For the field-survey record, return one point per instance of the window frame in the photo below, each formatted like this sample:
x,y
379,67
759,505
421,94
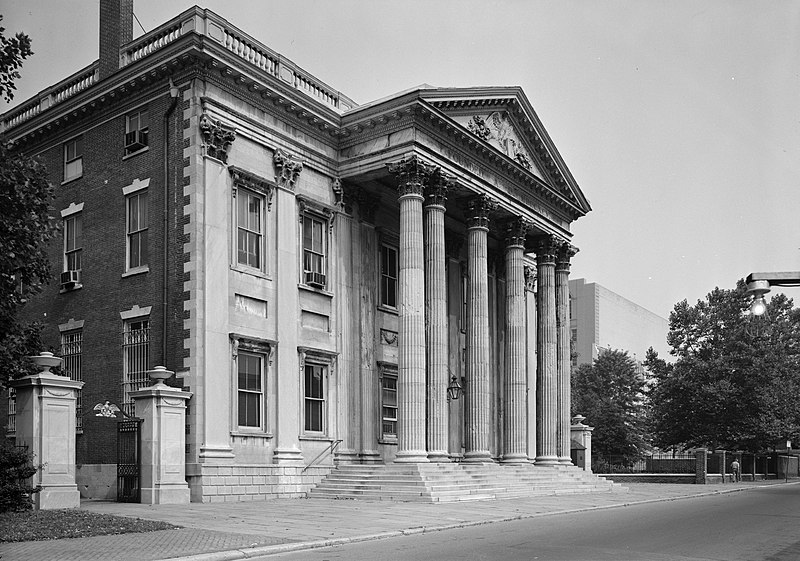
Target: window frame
x,y
135,340
308,271
144,131
76,159
386,280
139,233
387,372
71,345
75,252
259,393
325,362
238,194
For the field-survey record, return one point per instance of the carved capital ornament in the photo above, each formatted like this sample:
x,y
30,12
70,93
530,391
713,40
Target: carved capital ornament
x,y
287,168
478,209
412,174
217,137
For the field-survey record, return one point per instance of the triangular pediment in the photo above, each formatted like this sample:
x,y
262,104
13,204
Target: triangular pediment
x,y
504,118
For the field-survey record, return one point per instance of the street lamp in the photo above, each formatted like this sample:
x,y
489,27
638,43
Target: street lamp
x,y
758,284
454,390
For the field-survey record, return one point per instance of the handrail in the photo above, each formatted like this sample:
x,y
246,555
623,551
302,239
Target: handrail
x,y
328,450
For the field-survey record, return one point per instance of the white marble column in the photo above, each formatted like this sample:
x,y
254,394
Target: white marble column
x,y
565,253
547,370
411,174
436,324
477,389
530,357
515,419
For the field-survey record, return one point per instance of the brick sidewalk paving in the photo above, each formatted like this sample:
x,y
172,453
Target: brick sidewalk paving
x,y
223,531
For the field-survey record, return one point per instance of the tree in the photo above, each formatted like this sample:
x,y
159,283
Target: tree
x,y
13,50
735,380
612,395
26,228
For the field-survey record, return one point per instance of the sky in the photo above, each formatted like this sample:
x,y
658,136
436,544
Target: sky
x,y
680,120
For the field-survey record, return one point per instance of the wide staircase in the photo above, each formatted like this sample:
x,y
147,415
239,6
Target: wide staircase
x,y
445,482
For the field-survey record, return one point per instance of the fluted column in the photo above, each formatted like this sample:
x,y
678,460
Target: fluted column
x,y
565,253
514,433
436,324
547,370
477,387
411,306
530,357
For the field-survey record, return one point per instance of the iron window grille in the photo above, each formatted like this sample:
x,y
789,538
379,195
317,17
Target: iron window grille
x,y
71,351
135,360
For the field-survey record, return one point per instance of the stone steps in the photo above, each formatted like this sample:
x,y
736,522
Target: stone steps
x,y
438,482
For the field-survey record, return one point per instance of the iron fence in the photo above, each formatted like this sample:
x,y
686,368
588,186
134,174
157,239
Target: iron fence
x,y
651,463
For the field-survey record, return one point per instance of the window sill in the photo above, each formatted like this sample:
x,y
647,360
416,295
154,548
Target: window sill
x,y
319,437
136,271
251,271
389,441
132,154
388,310
308,288
63,290
254,434
71,179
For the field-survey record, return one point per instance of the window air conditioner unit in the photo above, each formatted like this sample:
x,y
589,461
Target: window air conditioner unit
x,y
70,280
135,140
315,279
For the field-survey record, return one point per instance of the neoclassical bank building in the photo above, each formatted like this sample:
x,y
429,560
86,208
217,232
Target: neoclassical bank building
x,y
344,288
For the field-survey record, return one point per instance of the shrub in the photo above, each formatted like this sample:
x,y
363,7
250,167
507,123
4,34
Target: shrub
x,y
16,468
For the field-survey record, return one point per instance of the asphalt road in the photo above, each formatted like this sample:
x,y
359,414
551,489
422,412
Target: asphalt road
x,y
753,525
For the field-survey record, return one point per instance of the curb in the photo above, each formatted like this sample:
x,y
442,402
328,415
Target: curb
x,y
250,552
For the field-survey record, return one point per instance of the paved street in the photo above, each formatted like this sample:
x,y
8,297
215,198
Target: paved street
x,y
764,514
762,524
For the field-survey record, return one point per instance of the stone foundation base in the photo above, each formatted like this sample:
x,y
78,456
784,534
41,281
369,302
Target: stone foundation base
x,y
220,483
97,481
53,497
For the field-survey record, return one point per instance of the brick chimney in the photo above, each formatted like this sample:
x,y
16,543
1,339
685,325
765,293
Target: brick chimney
x,y
116,29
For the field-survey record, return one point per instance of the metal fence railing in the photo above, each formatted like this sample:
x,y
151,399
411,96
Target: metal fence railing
x,y
652,463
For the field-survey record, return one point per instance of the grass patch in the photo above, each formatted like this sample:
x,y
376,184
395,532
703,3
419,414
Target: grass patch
x,y
37,525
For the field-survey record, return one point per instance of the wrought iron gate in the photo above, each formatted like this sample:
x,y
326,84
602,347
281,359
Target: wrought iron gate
x,y
129,460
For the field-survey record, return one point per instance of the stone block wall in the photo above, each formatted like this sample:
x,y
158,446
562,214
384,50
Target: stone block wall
x,y
218,483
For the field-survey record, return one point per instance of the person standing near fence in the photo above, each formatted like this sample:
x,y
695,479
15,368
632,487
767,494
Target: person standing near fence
x,y
737,473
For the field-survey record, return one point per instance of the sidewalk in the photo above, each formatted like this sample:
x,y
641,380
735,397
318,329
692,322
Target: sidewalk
x,y
227,531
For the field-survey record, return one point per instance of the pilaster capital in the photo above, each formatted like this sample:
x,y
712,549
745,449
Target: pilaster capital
x,y
478,209
516,231
565,252
546,250
287,168
217,137
530,277
437,186
411,173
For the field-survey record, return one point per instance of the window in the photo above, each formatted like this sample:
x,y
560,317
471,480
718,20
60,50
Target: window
x,y
137,126
135,359
137,230
73,242
389,405
250,228
314,251
250,369
11,426
71,343
314,397
73,158
388,276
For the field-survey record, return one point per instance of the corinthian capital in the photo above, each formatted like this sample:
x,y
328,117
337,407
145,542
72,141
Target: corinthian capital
x,y
546,249
530,278
412,174
437,187
287,168
516,231
217,137
564,254
478,209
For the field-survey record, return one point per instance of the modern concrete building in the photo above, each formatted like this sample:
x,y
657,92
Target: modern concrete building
x,y
602,319
317,272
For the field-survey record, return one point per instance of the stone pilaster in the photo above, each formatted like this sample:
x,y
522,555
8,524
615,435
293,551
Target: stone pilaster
x,y
477,386
515,429
287,362
565,253
411,173
546,367
436,324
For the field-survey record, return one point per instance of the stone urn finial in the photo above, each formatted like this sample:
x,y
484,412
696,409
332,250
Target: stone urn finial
x,y
158,374
578,420
45,361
